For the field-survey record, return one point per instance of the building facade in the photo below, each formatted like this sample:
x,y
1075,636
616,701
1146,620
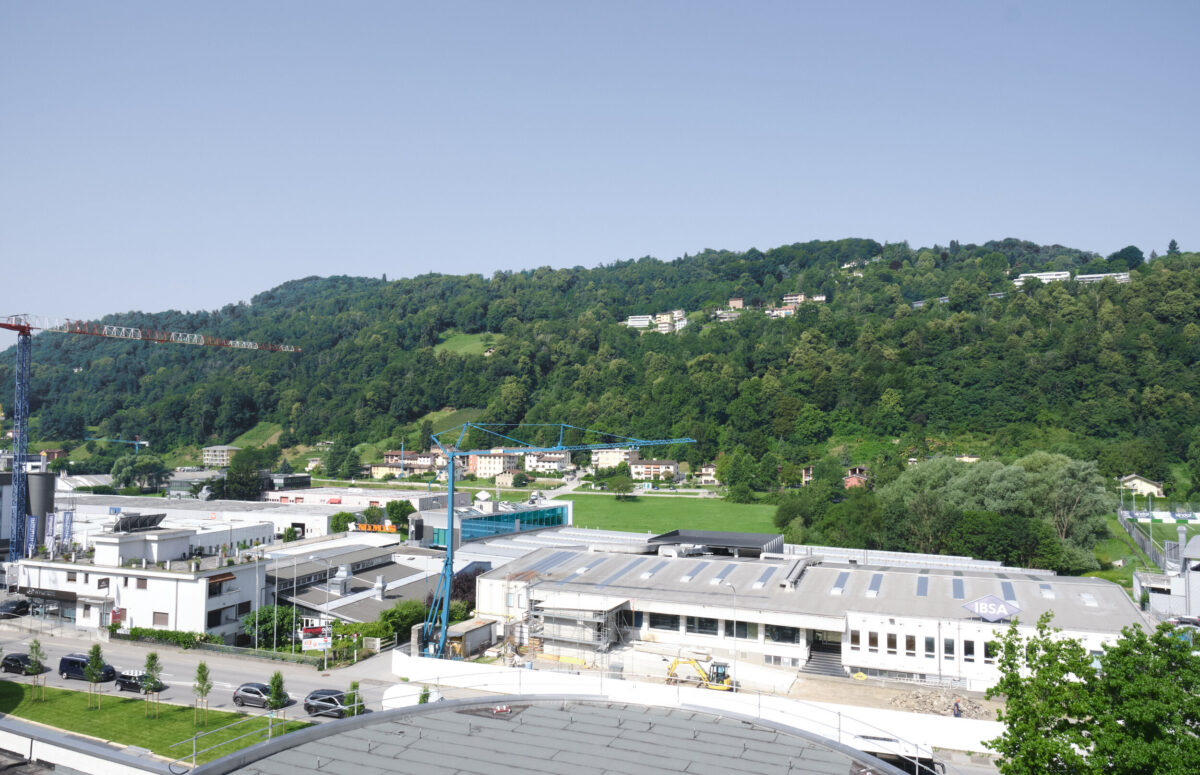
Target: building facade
x,y
650,470
218,456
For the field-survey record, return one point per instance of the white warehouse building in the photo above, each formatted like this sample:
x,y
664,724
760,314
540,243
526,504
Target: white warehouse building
x,y
799,612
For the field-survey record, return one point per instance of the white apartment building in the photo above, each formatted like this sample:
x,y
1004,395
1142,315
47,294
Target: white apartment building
x,y
639,321
142,580
611,458
646,470
547,462
492,463
219,456
792,299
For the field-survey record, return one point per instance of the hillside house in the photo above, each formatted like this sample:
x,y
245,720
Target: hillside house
x,y
1140,485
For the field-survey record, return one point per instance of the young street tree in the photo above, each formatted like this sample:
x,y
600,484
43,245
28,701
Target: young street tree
x,y
93,671
277,697
151,679
201,687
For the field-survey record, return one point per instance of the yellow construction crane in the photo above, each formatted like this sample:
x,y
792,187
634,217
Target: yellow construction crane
x,y
716,677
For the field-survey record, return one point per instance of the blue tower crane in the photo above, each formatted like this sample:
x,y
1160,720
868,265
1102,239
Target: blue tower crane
x,y
437,620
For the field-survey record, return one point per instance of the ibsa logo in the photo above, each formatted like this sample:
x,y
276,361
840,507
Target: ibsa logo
x,y
992,608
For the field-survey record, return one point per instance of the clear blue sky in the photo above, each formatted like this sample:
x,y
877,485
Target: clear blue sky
x,y
187,155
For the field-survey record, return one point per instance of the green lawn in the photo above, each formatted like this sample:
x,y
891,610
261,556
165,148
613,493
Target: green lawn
x,y
662,514
1119,546
259,436
1167,531
445,419
123,720
467,344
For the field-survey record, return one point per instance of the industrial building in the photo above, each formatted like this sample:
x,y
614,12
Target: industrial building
x,y
932,622
549,734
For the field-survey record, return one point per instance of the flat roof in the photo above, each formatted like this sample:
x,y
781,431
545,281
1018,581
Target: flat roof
x,y
717,538
552,736
825,589
138,503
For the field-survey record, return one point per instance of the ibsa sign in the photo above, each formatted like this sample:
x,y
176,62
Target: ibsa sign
x,y
992,608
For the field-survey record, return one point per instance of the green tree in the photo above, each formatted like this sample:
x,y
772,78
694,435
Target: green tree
x,y
373,515
425,435
1047,716
621,485
353,700
274,625
403,616
277,696
285,466
93,671
1172,248
37,658
340,522
1147,700
398,511
289,534
201,686
140,470
151,679
520,479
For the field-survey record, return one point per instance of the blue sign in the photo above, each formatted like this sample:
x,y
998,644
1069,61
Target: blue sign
x,y
992,608
31,536
68,520
114,509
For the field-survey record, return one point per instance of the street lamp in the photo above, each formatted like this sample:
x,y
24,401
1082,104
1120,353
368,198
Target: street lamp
x,y
325,611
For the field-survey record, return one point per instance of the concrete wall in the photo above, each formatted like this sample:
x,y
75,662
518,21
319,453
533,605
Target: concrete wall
x,y
69,753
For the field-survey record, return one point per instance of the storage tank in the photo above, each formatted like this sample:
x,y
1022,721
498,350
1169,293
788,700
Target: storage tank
x,y
41,500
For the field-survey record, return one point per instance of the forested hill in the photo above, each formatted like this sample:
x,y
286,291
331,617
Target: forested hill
x,y
1102,371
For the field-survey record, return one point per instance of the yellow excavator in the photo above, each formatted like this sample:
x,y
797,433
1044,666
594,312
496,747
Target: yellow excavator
x,y
715,677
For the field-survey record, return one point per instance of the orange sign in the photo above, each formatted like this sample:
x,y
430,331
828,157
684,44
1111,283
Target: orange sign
x,y
373,528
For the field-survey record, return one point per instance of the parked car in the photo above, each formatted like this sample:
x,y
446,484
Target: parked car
x,y
15,663
11,609
255,694
327,702
75,666
133,680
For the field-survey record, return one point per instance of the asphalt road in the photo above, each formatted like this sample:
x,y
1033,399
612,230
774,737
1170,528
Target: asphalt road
x,y
226,671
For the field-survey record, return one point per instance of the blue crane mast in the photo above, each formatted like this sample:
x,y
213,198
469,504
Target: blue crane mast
x,y
437,619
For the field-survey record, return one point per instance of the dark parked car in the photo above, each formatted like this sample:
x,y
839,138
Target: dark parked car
x,y
252,694
75,666
15,663
134,681
11,609
327,702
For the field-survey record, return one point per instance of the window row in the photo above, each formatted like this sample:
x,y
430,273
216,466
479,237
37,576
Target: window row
x,y
891,644
103,581
700,625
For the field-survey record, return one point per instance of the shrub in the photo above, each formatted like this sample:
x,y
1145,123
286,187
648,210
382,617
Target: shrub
x,y
181,638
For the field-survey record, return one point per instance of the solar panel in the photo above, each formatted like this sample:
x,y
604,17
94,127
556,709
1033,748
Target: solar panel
x,y
958,589
621,572
840,584
694,572
923,586
1006,588
1047,591
876,583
